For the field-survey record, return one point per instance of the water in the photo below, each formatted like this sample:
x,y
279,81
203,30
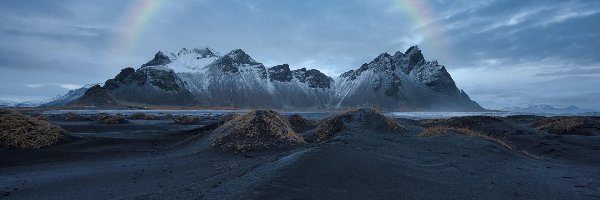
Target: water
x,y
314,115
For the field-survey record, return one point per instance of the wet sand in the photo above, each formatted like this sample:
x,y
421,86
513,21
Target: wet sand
x,y
159,159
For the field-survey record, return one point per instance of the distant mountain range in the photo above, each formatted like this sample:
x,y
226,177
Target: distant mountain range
x,y
404,81
72,95
544,108
9,103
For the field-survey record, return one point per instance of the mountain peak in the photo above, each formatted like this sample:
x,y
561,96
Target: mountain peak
x,y
206,52
201,52
414,56
382,56
413,49
281,73
160,58
239,56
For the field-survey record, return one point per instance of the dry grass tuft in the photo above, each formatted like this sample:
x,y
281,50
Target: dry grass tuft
x,y
299,123
143,116
560,125
104,118
363,118
71,116
327,128
257,130
185,119
437,130
23,132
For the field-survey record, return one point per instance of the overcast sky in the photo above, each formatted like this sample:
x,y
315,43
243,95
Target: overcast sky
x,y
501,52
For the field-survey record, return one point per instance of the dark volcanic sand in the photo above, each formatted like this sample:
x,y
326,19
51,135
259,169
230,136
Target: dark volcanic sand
x,y
163,160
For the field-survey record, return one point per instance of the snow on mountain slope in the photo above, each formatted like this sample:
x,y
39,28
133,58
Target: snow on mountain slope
x,y
26,104
201,76
186,61
72,95
404,81
551,109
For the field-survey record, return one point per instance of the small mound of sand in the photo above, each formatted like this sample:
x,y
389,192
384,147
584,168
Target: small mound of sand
x,y
364,118
299,123
568,125
104,118
434,131
143,116
23,132
184,119
257,130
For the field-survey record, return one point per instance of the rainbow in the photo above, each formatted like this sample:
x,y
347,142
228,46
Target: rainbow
x,y
134,22
140,13
421,16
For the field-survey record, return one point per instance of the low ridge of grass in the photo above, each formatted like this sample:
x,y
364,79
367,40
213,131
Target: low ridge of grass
x,y
104,118
185,119
440,130
559,126
144,116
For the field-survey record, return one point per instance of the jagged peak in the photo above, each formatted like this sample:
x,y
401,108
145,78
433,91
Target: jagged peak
x,y
237,52
183,51
313,77
160,58
203,52
239,56
382,56
413,49
398,54
281,66
414,56
280,73
206,52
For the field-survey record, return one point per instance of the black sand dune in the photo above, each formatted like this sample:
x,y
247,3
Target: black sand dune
x,y
160,159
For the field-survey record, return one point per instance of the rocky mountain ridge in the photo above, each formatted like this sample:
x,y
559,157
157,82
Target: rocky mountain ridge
x,y
404,81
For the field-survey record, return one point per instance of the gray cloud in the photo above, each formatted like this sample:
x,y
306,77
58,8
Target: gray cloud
x,y
502,52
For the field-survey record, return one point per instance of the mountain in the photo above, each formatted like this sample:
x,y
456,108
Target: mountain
x,y
201,76
72,95
403,81
544,108
11,103
7,103
96,96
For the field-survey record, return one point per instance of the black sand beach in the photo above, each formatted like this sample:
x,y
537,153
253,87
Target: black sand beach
x,y
160,159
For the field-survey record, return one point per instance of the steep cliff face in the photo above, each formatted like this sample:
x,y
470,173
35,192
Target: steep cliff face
x,y
201,76
71,96
149,85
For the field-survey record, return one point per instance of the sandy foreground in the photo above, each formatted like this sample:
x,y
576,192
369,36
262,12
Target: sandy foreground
x,y
158,159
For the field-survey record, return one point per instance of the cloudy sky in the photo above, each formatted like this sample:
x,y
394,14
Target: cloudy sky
x,y
501,52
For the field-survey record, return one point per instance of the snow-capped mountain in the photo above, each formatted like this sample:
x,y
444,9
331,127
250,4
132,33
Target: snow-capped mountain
x,y
72,95
27,104
544,108
401,81
201,76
